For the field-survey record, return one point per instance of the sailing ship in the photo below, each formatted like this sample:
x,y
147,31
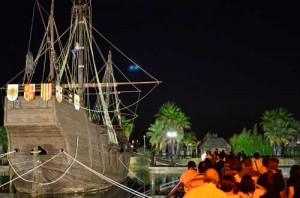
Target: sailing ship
x,y
66,128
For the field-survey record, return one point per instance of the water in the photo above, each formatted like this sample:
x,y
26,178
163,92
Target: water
x,y
152,183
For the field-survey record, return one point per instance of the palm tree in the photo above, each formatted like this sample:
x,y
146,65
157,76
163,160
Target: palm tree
x,y
182,121
276,114
277,126
175,120
168,112
293,142
169,118
155,133
190,140
172,137
128,126
279,133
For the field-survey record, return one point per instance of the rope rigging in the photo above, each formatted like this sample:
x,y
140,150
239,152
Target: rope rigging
x,y
134,192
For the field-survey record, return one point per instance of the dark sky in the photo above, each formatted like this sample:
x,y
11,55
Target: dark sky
x,y
223,63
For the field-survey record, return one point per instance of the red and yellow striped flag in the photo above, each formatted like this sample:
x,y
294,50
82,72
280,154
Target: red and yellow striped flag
x,y
46,91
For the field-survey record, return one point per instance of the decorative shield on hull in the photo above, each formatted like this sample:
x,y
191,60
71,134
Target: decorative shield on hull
x,y
29,91
46,91
12,92
76,101
58,93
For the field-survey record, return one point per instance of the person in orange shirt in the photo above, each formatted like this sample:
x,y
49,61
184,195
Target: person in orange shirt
x,y
189,174
257,163
210,187
198,179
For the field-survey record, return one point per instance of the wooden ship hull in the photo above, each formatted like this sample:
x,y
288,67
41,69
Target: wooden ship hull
x,y
49,139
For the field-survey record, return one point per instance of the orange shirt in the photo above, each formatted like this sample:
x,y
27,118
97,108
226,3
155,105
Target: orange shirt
x,y
257,162
186,176
207,190
196,181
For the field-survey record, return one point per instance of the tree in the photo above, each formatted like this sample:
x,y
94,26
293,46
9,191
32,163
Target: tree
x,y
171,114
3,138
293,142
155,133
250,142
128,126
279,133
190,140
169,120
278,128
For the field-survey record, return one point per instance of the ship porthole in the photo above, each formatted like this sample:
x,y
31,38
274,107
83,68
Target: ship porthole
x,y
40,151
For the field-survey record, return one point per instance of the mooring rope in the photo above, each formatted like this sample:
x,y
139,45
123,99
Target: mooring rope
x,y
5,154
65,172
132,173
110,180
129,170
24,162
46,183
136,193
21,176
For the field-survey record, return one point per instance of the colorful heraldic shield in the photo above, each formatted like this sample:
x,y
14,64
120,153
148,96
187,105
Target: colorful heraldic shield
x,y
12,92
46,91
58,93
76,101
29,91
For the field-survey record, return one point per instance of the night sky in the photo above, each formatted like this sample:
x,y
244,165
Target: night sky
x,y
222,63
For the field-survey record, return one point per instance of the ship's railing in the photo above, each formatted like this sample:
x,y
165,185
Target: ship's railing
x,y
177,191
168,185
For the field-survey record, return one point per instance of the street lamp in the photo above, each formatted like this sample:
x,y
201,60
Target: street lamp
x,y
172,135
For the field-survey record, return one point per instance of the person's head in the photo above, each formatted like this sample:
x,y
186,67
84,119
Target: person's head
x,y
295,172
265,161
202,167
235,165
211,176
208,162
191,164
228,183
247,184
222,155
247,162
256,155
273,164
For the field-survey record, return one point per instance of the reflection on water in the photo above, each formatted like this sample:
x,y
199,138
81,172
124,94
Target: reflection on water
x,y
157,182
140,179
113,193
162,183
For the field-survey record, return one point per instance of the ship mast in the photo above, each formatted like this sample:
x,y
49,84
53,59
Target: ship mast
x,y
109,78
52,62
81,13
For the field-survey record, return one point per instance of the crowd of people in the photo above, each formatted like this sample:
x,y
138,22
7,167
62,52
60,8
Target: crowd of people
x,y
221,175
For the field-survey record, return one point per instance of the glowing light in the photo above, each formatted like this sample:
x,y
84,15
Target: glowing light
x,y
171,134
133,68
